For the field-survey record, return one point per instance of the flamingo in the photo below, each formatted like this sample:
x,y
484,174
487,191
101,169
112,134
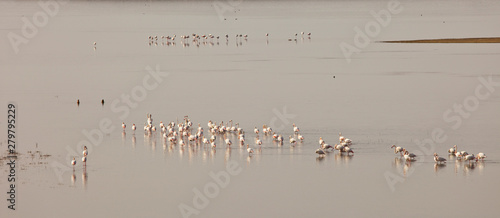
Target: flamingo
x,y
397,149
348,150
213,145
249,150
480,156
409,156
321,141
213,137
205,141
320,151
439,159
280,139
339,147
327,146
300,137
453,150
341,138
228,142
124,126
295,129
85,152
133,127
292,140
255,130
469,157
275,136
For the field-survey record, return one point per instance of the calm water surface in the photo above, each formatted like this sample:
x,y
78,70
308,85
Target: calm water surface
x,y
387,94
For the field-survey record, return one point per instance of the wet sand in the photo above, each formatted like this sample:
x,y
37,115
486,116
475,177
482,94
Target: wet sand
x,y
456,40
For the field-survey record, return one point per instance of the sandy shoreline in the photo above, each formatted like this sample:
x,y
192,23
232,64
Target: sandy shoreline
x,y
449,40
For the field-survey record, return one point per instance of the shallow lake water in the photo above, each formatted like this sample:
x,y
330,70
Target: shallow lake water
x,y
423,97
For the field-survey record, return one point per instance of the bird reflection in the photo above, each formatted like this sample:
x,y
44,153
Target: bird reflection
x,y
340,157
227,155
123,137
468,168
437,166
84,178
320,159
73,179
133,141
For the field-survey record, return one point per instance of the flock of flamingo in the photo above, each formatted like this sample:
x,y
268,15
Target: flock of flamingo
x,y
453,152
181,133
209,39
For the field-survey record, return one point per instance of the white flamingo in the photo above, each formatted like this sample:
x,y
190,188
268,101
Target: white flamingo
x,y
292,140
469,157
397,149
348,150
481,156
295,129
320,152
228,142
321,141
249,150
409,156
341,138
85,151
439,159
453,150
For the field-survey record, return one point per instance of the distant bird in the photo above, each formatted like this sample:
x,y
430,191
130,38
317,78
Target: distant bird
x,y
249,150
85,151
95,43
102,101
292,140
73,162
409,156
469,157
295,129
348,150
320,151
453,150
397,149
78,102
341,138
480,156
213,145
300,137
256,130
321,141
228,142
84,160
133,127
439,159
124,126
